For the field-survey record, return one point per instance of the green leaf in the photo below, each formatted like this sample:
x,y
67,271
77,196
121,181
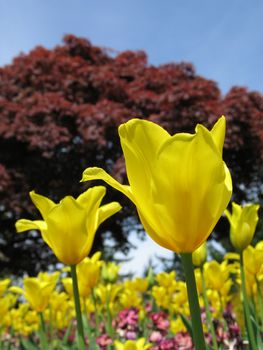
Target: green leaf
x,y
28,345
66,335
187,324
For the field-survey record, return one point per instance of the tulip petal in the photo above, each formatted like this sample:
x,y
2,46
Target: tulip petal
x,y
90,200
108,210
65,221
140,141
43,204
190,195
25,225
16,290
95,257
218,132
165,241
92,197
228,215
95,173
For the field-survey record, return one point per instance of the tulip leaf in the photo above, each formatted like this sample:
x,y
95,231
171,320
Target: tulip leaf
x,y
28,345
187,324
66,335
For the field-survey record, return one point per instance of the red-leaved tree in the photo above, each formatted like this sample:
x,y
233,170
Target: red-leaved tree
x,y
59,113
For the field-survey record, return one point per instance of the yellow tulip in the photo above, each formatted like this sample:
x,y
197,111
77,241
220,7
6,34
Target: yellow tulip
x,y
167,280
218,276
110,272
68,286
108,294
253,260
36,291
199,255
132,345
6,303
162,297
179,184
48,277
177,326
138,285
69,227
23,320
3,285
88,271
130,298
61,310
198,280
179,300
243,222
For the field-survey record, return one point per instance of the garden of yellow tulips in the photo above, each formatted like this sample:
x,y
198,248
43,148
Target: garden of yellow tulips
x,y
139,313
180,186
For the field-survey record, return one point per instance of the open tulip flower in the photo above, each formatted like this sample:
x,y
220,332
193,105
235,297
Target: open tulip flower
x,y
243,222
69,227
88,273
179,184
37,291
90,267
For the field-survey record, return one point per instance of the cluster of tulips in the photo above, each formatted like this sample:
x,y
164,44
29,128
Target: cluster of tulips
x,y
139,313
180,186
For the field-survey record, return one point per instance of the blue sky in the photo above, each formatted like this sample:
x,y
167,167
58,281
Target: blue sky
x,y
223,39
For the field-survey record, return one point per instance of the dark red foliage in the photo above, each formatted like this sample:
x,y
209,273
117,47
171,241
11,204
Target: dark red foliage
x,y
60,110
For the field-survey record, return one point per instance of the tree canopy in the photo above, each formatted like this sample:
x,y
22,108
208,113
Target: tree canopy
x,y
59,113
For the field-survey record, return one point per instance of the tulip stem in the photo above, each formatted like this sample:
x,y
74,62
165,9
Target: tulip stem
x,y
81,339
109,318
208,312
96,311
248,322
198,334
260,300
42,332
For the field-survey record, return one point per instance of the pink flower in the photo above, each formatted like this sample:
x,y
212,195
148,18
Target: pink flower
x,y
103,341
160,320
155,336
183,341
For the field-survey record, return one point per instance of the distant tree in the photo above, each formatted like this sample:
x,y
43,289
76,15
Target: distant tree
x,y
59,113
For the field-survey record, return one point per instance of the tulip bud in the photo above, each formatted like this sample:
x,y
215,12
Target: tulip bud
x,y
199,255
110,272
243,222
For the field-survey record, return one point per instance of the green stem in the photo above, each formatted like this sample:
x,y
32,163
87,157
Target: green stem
x,y
84,300
96,311
42,333
81,339
208,312
51,328
109,318
225,325
260,301
198,335
248,322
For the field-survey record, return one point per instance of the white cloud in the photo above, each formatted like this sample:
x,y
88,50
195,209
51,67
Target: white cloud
x,y
140,256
